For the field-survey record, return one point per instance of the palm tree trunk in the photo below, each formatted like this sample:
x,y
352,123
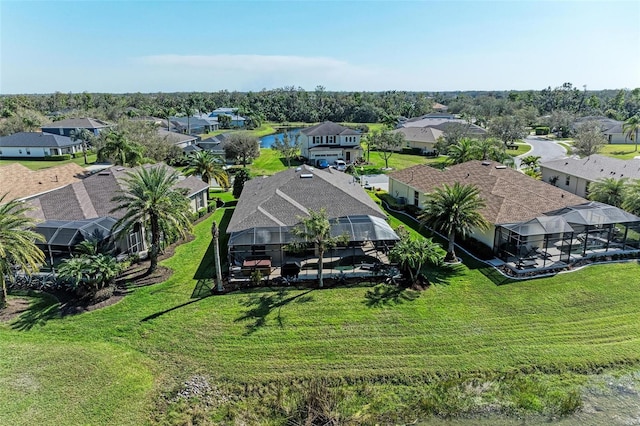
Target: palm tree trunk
x,y
215,232
636,141
451,250
155,244
320,266
3,292
84,151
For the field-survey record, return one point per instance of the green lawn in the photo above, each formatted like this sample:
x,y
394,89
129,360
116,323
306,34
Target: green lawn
x,y
109,366
42,164
621,151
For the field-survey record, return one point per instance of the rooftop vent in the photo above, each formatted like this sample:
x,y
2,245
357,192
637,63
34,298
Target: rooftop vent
x,y
104,174
486,163
298,169
306,175
501,167
119,169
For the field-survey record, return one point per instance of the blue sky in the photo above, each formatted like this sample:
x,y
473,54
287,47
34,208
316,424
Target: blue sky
x,y
164,46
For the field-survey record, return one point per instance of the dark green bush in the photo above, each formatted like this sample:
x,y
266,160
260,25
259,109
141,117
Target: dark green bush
x,y
62,157
542,130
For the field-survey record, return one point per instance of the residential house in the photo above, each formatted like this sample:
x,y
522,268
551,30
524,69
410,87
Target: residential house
x,y
575,174
215,144
532,224
438,107
65,127
330,141
612,129
195,124
420,138
68,213
22,183
236,120
37,145
270,207
188,143
443,121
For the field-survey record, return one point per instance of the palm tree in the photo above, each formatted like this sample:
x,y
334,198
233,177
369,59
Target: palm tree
x,y
89,273
208,166
488,149
631,201
83,135
121,150
151,200
411,254
316,229
17,242
463,151
608,190
631,127
454,210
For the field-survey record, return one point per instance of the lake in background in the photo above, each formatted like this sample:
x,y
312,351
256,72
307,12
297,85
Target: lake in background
x,y
267,141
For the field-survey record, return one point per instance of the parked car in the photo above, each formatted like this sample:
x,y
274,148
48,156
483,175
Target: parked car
x,y
323,164
340,165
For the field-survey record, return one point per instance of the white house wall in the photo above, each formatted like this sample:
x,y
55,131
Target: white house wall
x,y
576,185
38,152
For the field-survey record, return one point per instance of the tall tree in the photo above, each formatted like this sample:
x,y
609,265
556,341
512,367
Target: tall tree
x,y
288,146
121,150
242,146
608,190
152,201
386,142
85,137
463,151
631,202
17,242
454,210
316,229
589,139
241,177
508,129
489,149
208,166
631,127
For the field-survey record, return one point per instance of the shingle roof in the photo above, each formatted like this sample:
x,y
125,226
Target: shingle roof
x,y
77,123
280,200
595,167
21,182
420,134
329,128
510,196
442,123
608,125
36,140
91,197
175,138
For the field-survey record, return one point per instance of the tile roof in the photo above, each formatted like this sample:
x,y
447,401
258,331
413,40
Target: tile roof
x,y
21,182
91,197
420,134
510,196
77,123
36,140
280,200
329,128
596,167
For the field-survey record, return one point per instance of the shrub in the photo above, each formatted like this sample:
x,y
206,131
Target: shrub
x,y
542,130
62,157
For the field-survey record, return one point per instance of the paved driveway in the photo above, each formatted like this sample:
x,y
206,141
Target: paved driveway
x,y
547,150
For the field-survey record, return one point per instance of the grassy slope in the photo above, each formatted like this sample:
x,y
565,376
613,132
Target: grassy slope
x,y
464,323
623,152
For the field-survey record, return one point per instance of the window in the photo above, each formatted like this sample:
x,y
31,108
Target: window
x,y
20,151
416,198
567,180
28,151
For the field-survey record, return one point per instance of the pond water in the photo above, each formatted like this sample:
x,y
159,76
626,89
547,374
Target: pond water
x,y
267,141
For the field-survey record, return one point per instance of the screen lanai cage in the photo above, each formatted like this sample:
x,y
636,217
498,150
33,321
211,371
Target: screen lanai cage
x,y
61,236
569,234
271,242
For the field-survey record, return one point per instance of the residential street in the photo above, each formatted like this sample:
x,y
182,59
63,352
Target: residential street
x,y
546,149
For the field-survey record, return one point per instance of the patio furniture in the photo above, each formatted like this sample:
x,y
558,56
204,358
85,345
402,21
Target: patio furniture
x,y
526,263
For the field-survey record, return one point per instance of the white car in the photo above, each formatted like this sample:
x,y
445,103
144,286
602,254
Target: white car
x,y
340,165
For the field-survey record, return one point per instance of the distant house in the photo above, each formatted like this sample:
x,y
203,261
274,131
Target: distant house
x,y
575,174
612,129
330,141
23,183
65,127
66,214
269,207
438,107
37,145
215,144
442,121
194,124
188,143
236,120
421,138
532,224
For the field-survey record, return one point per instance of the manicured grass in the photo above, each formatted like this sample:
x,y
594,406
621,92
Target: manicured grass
x,y
43,164
160,335
397,161
621,151
269,163
523,148
264,130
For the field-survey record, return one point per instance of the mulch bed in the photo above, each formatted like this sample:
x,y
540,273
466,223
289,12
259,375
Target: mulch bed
x,y
15,307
